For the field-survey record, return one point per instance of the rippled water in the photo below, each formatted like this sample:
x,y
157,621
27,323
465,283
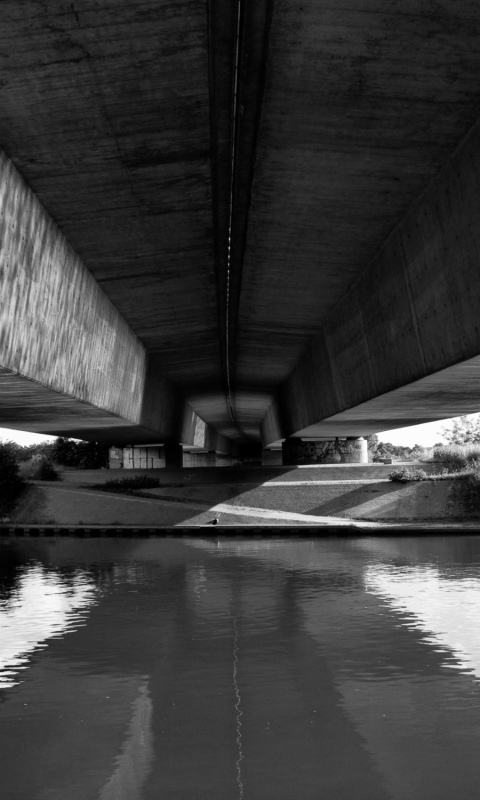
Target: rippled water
x,y
240,669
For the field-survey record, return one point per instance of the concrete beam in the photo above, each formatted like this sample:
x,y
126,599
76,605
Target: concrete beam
x,y
403,345
69,363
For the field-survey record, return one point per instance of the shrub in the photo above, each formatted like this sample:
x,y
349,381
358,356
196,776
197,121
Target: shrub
x,y
399,475
126,485
404,475
419,475
458,457
46,471
39,469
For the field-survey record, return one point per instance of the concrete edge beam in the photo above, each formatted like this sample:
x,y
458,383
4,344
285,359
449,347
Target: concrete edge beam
x,y
413,314
69,363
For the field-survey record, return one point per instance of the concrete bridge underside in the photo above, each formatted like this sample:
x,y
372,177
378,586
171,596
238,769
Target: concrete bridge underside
x,y
226,223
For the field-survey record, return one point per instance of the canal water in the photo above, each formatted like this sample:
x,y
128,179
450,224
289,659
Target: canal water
x,y
240,669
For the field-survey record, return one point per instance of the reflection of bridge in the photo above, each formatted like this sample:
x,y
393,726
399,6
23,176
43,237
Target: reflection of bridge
x,y
362,694
269,212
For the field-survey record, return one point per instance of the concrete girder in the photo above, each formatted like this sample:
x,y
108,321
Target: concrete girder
x,y
69,363
402,347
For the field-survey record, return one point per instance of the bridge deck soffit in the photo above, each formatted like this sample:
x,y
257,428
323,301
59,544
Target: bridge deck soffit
x,y
227,170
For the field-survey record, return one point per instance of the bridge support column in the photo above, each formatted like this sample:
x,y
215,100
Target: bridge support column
x,y
334,451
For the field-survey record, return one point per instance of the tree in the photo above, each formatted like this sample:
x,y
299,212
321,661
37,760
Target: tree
x,y
64,452
10,480
463,430
84,455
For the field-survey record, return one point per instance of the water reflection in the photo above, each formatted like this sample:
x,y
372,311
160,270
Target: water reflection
x,y
446,608
43,605
241,669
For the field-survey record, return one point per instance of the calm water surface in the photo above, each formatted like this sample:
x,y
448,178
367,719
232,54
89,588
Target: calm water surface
x,y
181,669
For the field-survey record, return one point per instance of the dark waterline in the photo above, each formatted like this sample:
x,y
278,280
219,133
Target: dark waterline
x,y
242,669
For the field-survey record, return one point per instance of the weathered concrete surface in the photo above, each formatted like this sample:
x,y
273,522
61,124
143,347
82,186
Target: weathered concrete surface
x,y
364,102
402,347
68,361
122,118
106,114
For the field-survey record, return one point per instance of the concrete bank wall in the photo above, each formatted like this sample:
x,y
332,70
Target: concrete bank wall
x,y
385,500
69,363
410,320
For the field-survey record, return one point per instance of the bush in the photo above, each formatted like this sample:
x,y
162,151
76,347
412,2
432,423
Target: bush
x,y
126,485
474,477
458,458
404,475
38,469
399,475
11,482
45,471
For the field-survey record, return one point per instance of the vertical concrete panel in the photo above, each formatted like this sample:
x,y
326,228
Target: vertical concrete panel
x,y
163,408
272,429
395,355
348,350
310,389
292,405
441,240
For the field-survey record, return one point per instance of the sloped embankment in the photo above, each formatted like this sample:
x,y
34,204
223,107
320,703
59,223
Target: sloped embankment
x,y
298,494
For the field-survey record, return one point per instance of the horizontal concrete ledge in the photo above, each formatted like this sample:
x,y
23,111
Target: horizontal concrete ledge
x,y
227,532
445,394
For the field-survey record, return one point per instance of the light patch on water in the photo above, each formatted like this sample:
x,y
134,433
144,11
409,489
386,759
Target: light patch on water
x,y
44,606
134,763
447,609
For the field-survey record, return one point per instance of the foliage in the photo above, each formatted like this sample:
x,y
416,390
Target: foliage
x,y
39,468
404,475
127,485
11,482
380,450
463,430
468,491
46,471
83,455
31,451
458,458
